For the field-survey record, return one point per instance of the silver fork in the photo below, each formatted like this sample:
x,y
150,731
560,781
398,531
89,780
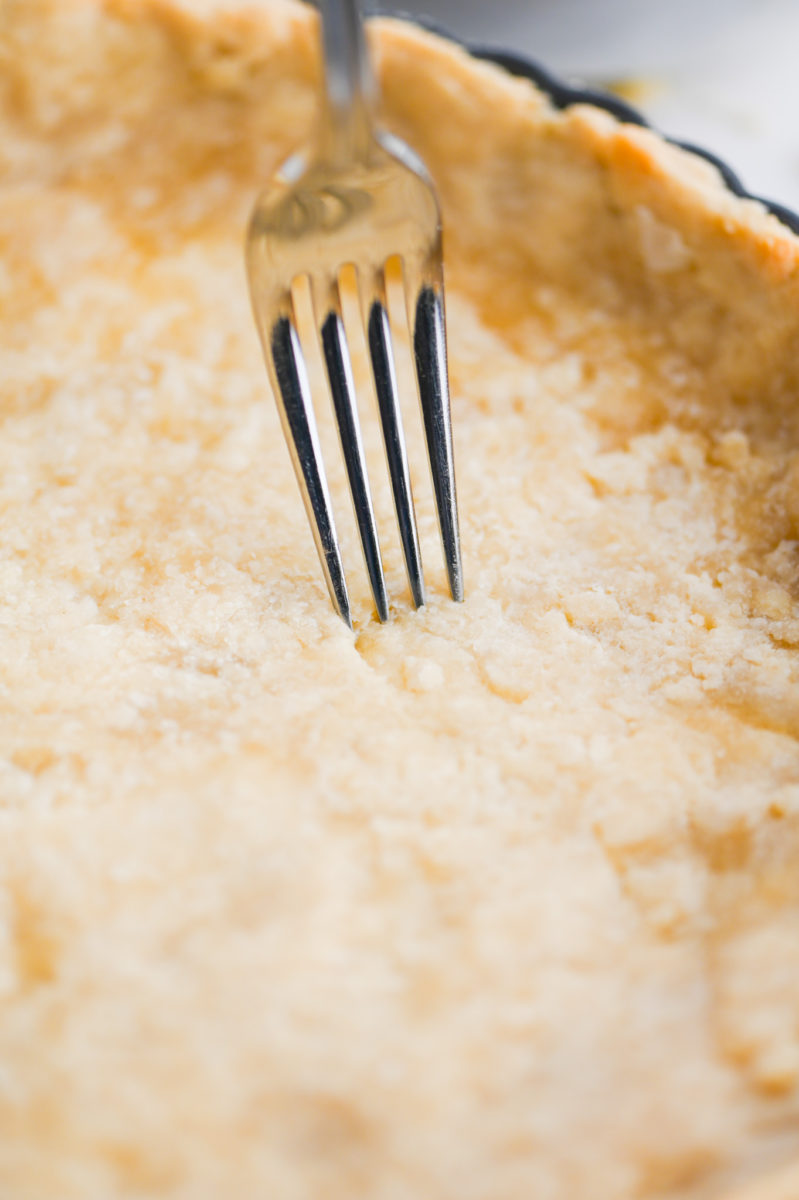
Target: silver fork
x,y
358,199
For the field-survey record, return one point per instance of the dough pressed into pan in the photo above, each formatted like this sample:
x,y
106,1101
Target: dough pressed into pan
x,y
498,901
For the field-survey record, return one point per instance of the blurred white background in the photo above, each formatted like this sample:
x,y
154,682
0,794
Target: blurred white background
x,y
723,73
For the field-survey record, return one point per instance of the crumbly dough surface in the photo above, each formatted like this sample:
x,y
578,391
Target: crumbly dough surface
x,y
501,900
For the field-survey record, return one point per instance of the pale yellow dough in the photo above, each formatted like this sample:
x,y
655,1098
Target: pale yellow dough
x,y
497,902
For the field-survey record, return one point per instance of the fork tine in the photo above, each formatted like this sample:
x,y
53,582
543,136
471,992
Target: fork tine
x,y
292,390
342,388
382,355
430,353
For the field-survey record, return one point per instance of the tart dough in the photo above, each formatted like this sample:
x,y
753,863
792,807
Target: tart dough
x,y
498,901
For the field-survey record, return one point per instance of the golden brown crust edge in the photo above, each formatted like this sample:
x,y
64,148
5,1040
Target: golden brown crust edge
x,y
570,198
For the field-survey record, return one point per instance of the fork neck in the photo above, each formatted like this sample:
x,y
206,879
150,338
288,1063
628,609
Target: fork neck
x,y
349,84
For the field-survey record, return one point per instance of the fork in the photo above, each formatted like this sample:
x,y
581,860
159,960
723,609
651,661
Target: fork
x,y
357,199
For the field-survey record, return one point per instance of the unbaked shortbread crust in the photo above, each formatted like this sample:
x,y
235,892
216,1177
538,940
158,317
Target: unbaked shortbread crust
x,y
499,901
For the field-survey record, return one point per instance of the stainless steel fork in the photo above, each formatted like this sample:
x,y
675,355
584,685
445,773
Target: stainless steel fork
x,y
358,199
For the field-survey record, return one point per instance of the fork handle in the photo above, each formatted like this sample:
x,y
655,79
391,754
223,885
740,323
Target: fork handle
x,y
349,83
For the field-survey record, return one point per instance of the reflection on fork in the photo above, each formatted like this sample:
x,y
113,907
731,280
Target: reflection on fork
x,y
359,201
